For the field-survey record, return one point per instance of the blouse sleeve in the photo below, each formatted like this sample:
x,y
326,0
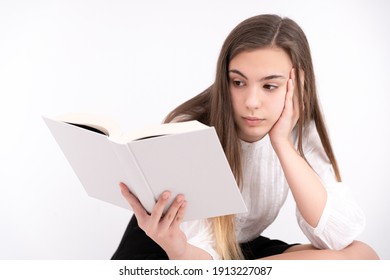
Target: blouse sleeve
x,y
342,219
199,233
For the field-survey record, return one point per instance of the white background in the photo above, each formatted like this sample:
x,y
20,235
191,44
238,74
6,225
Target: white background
x,y
137,60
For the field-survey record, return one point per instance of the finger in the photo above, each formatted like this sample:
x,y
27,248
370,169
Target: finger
x,y
138,209
172,211
158,209
291,82
289,96
302,77
179,216
296,102
302,84
293,100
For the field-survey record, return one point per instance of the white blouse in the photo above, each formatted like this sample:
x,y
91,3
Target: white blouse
x,y
265,190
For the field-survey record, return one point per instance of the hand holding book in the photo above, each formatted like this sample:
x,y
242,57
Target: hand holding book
x,y
164,229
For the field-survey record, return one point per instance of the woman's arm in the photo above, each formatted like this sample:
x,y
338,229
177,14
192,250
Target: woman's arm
x,y
327,213
165,229
306,187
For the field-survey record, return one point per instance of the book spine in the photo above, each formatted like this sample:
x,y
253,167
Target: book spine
x,y
133,177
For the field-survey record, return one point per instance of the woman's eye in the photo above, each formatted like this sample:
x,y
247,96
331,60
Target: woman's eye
x,y
270,87
238,83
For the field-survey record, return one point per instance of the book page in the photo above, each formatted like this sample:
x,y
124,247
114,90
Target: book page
x,y
163,129
105,124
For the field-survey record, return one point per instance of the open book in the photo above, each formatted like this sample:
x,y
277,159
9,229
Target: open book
x,y
183,158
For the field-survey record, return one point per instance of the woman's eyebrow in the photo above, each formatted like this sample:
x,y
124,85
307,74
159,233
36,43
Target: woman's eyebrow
x,y
272,77
266,78
238,73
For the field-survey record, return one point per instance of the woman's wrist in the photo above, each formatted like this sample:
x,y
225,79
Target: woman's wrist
x,y
281,146
179,255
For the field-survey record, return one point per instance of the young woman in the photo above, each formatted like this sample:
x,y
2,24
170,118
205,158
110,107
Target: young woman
x,y
264,107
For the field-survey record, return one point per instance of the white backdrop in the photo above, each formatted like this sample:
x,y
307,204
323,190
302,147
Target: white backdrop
x,y
135,61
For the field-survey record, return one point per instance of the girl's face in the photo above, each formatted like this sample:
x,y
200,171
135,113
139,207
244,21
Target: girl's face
x,y
258,86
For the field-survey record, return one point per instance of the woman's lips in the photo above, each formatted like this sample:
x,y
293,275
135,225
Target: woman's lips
x,y
253,121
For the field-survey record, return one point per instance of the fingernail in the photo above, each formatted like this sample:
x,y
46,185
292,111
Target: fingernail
x,y
165,195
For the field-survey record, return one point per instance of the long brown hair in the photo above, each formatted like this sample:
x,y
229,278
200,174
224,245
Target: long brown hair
x,y
214,107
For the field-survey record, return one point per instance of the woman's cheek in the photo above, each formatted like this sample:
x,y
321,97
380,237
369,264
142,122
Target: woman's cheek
x,y
279,104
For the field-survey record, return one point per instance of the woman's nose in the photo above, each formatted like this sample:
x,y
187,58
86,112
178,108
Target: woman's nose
x,y
253,100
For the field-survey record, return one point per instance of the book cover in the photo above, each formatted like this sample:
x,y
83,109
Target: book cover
x,y
184,161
